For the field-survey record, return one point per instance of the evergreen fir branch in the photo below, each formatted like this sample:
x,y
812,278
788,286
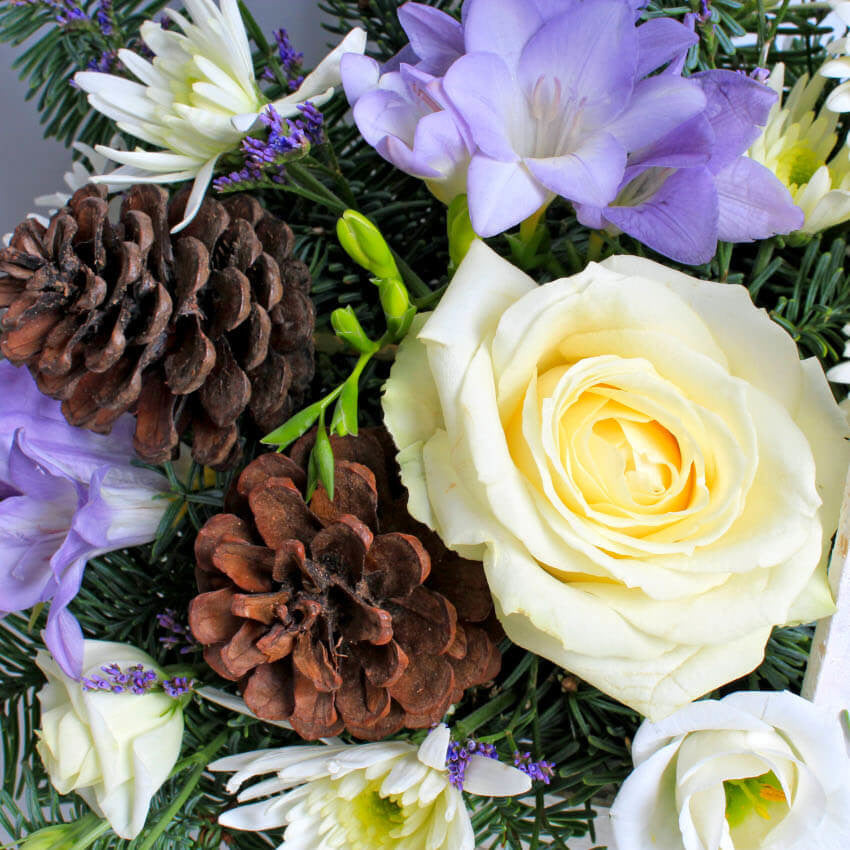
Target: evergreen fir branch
x,y
59,49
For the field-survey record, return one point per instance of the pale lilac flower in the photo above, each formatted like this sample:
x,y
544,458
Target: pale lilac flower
x,y
555,103
404,117
67,495
695,186
400,108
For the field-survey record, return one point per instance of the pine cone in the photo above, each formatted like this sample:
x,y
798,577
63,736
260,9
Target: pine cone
x,y
187,331
324,621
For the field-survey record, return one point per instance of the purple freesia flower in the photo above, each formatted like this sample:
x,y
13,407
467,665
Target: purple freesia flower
x,y
522,101
67,495
400,108
555,103
695,186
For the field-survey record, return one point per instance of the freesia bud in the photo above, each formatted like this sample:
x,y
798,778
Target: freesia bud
x,y
347,327
365,245
61,836
398,310
459,226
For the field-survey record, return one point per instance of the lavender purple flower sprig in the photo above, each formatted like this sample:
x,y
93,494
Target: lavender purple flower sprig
x,y
459,755
289,60
136,679
175,635
265,158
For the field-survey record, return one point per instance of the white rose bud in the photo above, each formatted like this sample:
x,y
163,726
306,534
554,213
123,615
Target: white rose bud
x,y
113,749
753,771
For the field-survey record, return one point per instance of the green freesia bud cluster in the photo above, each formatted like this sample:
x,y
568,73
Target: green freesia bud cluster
x,y
365,244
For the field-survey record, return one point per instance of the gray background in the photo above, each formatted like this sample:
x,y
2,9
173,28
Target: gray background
x,y
31,165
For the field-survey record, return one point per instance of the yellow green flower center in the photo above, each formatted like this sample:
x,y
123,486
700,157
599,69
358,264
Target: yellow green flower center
x,y
376,815
797,165
760,795
365,820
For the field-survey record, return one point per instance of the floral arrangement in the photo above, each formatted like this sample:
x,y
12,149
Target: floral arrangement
x,y
436,449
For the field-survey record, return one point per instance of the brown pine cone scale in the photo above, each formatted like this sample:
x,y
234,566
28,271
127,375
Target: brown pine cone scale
x,y
323,620
188,331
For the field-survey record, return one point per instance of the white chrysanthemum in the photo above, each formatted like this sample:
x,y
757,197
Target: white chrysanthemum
x,y
383,796
795,146
197,98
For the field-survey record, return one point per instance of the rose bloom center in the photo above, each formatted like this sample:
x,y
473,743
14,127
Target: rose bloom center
x,y
611,442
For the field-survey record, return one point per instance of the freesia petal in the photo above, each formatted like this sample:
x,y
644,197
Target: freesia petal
x,y
501,194
27,545
689,145
359,74
679,220
436,38
489,100
753,203
499,26
589,175
658,106
736,107
660,40
568,61
62,634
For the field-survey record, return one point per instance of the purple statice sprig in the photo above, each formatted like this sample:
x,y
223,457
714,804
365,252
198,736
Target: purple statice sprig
x,y
69,12
539,771
290,59
459,754
106,63
264,159
136,679
175,634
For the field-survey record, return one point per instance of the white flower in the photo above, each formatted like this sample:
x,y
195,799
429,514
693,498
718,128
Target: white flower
x,y
383,796
753,771
198,97
114,750
647,469
795,146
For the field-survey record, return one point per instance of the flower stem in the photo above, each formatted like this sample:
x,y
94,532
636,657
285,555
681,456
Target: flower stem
x,y
594,246
529,226
307,181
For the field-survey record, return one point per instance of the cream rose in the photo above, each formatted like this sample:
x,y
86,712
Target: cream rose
x,y
113,749
648,471
753,771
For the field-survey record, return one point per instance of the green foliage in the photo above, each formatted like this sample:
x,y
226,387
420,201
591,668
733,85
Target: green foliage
x,y
56,51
